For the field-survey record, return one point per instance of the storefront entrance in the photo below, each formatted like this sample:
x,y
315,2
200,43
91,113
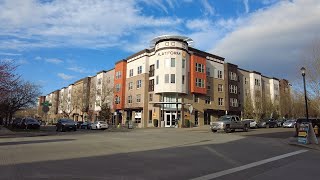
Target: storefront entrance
x,y
170,118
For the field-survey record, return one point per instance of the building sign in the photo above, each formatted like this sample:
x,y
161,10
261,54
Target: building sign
x,y
306,134
154,115
137,115
303,133
169,53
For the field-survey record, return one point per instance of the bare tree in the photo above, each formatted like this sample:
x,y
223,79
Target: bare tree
x,y
8,78
311,61
248,107
24,96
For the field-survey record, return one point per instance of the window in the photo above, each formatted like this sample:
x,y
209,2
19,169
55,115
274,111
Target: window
x,y
257,82
233,76
150,97
183,63
130,85
138,98
157,64
173,78
195,98
99,82
157,80
200,83
139,69
276,87
118,74
183,79
151,85
233,102
208,71
117,100
151,72
130,99
208,100
108,80
199,67
166,78
173,62
131,73
139,84
245,81
220,101
118,86
233,89
219,74
150,117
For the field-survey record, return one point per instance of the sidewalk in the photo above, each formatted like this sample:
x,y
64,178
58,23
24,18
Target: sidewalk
x,y
294,141
6,133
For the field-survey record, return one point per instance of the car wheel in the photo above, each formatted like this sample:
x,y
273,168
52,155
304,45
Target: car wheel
x,y
245,128
227,129
256,126
75,129
213,130
267,126
61,129
275,125
57,129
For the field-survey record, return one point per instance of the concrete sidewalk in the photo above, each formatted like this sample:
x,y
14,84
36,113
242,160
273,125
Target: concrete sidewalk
x,y
294,141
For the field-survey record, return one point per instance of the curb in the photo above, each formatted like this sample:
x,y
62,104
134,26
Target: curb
x,y
294,142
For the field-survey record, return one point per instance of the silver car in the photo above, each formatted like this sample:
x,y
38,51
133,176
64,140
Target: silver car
x,y
99,125
289,124
253,123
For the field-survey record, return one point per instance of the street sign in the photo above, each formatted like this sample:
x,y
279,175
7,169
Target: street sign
x,y
190,109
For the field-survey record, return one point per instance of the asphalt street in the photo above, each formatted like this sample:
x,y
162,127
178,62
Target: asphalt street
x,y
158,154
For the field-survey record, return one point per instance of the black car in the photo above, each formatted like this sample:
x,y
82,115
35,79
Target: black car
x,y
29,123
86,125
66,125
267,123
313,121
16,122
79,123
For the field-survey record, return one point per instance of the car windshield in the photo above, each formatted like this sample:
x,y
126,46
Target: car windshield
x,y
32,120
224,118
67,121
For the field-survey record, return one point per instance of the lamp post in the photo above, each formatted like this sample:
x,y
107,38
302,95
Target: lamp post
x,y
303,72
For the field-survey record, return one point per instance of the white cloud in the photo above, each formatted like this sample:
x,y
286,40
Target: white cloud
x,y
38,58
9,54
78,69
54,60
208,9
272,38
65,76
79,23
246,6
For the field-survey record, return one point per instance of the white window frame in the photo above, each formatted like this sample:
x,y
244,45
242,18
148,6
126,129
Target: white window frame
x,y
220,101
208,100
139,69
139,84
130,86
219,74
130,72
138,98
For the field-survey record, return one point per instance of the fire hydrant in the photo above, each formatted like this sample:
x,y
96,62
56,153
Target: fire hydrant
x,y
316,130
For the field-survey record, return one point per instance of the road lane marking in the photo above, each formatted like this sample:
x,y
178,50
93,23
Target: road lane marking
x,y
226,158
247,166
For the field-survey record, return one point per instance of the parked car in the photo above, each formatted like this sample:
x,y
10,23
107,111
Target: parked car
x,y
29,123
65,125
253,123
79,123
280,122
267,123
313,121
229,123
86,125
99,125
289,123
16,122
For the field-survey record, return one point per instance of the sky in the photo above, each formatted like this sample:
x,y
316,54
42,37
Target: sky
x,y
57,42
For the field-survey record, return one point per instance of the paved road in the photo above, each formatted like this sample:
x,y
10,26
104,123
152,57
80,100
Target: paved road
x,y
158,154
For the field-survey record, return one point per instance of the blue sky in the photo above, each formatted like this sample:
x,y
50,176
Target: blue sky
x,y
57,42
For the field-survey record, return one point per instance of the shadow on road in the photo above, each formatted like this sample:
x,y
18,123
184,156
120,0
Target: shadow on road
x,y
33,142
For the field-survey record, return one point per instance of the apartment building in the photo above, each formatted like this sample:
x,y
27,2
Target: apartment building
x,y
162,82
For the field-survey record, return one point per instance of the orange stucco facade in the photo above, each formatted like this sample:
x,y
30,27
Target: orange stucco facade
x,y
200,75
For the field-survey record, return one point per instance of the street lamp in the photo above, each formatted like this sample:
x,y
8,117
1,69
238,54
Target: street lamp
x,y
303,72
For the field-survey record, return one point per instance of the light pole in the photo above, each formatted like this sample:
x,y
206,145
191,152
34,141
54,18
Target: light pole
x,y
303,72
